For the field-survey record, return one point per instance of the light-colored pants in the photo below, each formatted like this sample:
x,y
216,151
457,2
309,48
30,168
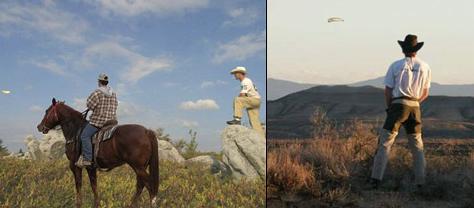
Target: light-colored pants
x,y
252,105
415,144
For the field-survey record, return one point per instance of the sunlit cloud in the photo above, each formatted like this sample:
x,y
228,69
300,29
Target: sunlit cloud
x,y
26,18
139,66
138,7
242,17
241,48
201,104
206,84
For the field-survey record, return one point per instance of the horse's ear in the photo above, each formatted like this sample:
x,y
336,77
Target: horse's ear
x,y
54,101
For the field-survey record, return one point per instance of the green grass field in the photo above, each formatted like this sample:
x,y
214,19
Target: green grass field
x,y
25,183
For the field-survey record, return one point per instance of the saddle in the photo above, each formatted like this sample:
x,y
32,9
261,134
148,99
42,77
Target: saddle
x,y
103,134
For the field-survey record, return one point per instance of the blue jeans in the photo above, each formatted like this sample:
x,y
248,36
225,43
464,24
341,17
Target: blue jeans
x,y
86,141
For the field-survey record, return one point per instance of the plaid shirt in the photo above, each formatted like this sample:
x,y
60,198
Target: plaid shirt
x,y
103,108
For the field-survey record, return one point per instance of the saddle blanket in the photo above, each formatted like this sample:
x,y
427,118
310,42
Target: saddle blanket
x,y
104,134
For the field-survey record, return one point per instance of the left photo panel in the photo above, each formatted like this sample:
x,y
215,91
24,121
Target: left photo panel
x,y
145,103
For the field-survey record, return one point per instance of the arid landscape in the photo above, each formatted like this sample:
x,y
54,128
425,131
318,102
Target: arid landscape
x,y
332,169
290,116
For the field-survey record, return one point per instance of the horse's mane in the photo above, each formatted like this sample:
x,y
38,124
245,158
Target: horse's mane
x,y
71,110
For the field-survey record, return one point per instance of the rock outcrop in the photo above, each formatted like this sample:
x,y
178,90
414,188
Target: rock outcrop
x,y
209,163
168,152
50,147
244,152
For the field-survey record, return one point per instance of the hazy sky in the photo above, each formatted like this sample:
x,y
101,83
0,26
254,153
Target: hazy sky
x,y
304,47
169,61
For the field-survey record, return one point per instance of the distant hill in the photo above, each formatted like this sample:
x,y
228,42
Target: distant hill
x,y
289,116
279,88
436,88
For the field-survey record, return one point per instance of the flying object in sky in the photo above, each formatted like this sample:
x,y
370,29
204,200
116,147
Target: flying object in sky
x,y
6,92
335,19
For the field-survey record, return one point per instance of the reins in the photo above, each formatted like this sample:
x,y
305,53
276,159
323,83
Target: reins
x,y
55,114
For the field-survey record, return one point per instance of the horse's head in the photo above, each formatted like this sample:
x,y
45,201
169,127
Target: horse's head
x,y
51,118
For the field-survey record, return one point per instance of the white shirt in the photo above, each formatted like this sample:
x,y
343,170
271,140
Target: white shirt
x,y
408,77
247,87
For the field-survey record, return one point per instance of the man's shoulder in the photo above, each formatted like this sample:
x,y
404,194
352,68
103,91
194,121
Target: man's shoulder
x,y
398,62
422,63
95,93
246,80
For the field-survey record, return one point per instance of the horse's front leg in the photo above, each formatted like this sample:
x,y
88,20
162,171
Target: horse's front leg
x,y
78,180
92,172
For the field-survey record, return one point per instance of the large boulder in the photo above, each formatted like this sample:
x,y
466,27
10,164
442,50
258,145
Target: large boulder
x,y
168,152
32,147
244,152
207,162
50,147
53,145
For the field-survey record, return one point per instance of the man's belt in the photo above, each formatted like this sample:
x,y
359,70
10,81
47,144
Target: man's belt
x,y
405,98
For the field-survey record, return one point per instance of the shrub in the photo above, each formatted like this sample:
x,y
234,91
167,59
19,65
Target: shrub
x,y
286,171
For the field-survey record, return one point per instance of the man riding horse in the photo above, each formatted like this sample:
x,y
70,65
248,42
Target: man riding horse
x,y
130,144
103,103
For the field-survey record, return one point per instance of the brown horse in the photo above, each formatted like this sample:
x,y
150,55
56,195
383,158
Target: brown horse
x,y
131,144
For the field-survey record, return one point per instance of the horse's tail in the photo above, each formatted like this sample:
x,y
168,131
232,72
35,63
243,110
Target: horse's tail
x,y
154,167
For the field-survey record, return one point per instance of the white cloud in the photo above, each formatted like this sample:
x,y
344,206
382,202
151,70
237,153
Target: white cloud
x,y
143,67
170,84
51,66
189,123
241,48
140,65
138,7
79,104
124,109
201,104
36,108
27,18
241,17
206,84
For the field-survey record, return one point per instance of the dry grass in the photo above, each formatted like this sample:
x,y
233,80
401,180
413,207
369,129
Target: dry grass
x,y
332,170
26,184
286,170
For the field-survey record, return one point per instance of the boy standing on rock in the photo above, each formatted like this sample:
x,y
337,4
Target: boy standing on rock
x,y
407,84
249,98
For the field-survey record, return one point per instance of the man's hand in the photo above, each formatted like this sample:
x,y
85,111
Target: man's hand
x,y
388,96
424,94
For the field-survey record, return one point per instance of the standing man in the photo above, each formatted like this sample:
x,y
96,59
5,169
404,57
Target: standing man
x,y
103,104
407,85
249,98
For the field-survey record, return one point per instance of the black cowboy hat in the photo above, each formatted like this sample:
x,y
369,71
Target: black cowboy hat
x,y
410,44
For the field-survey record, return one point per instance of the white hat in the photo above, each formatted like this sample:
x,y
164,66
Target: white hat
x,y
103,77
240,69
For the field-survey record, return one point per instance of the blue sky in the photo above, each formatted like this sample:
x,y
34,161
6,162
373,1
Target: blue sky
x,y
304,47
169,61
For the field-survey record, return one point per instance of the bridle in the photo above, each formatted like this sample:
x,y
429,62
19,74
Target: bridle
x,y
84,115
53,114
48,116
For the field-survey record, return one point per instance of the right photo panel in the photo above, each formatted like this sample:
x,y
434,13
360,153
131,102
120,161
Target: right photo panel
x,y
370,103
